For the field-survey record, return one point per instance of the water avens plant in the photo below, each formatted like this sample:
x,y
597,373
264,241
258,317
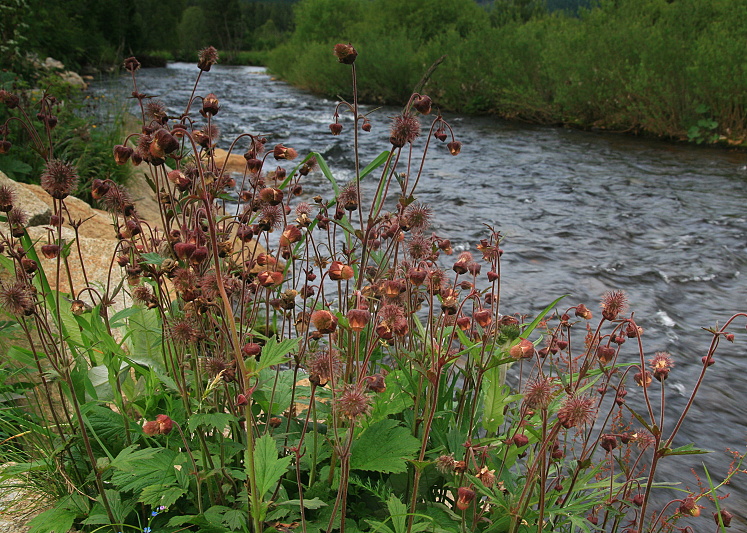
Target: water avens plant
x,y
284,363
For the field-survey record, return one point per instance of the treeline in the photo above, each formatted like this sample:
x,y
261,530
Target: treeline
x,y
670,68
99,33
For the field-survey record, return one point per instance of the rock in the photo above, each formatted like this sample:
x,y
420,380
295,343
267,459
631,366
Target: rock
x,y
52,64
74,79
236,162
28,200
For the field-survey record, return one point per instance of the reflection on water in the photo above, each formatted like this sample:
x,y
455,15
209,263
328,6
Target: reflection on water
x,y
582,213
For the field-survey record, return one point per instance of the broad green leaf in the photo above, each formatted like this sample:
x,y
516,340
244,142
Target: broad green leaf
x,y
217,421
274,353
394,399
384,446
55,520
270,467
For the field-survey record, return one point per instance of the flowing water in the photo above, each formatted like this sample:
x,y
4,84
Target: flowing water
x,y
582,213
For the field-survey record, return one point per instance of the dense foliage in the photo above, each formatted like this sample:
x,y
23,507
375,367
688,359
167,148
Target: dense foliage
x,y
665,68
100,33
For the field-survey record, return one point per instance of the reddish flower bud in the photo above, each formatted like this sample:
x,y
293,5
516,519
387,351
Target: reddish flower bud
x,y
50,251
366,126
417,276
358,319
520,440
583,312
608,442
484,317
283,152
199,255
689,507
454,147
340,271
271,195
723,517
122,154
376,383
423,104
324,321
184,250
210,105
251,349
523,350
270,278
605,354
465,497
5,146
345,53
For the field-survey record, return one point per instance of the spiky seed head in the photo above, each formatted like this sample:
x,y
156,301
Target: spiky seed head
x,y
577,411
613,304
206,58
59,178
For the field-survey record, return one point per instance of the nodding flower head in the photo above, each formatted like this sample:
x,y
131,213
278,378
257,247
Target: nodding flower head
x,y
131,64
465,495
345,53
422,104
59,179
206,58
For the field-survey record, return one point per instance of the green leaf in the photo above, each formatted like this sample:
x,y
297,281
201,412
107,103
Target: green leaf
x,y
313,503
384,446
55,520
217,421
152,258
274,353
270,467
687,449
495,399
398,513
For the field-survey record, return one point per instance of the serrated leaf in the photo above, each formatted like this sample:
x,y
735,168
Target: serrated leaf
x,y
54,520
217,421
152,258
161,495
270,467
274,353
385,446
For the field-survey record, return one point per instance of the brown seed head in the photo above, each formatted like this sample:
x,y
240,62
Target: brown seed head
x,y
59,178
613,303
206,58
354,403
405,129
577,411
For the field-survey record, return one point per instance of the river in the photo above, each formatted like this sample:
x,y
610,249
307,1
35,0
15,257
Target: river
x,y
582,213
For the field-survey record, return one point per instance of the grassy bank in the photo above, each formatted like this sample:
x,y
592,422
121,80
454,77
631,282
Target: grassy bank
x,y
641,66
